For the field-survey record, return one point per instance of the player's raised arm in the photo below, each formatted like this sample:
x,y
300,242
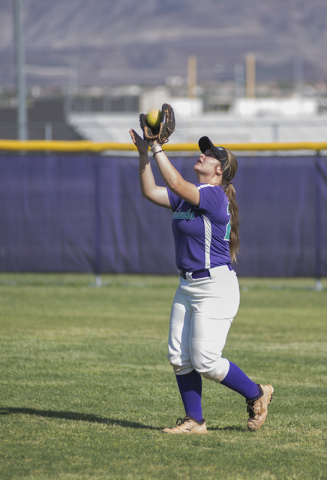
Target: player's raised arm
x,y
173,179
157,133
150,191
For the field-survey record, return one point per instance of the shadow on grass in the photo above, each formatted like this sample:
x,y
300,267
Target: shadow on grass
x,y
229,429
84,417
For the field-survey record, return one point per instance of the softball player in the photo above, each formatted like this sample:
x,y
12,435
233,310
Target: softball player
x,y
205,228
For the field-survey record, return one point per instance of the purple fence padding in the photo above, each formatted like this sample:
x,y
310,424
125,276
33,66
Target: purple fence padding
x,y
86,214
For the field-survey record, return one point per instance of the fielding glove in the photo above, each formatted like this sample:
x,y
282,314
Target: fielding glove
x,y
161,133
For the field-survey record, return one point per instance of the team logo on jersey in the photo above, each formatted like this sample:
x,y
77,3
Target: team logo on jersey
x,y
189,215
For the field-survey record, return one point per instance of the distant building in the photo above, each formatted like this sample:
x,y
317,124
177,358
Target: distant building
x,y
276,107
46,120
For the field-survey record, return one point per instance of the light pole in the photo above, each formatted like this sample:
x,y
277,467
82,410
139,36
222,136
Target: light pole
x,y
20,71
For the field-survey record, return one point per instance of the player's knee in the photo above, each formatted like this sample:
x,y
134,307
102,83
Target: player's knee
x,y
174,359
180,368
213,370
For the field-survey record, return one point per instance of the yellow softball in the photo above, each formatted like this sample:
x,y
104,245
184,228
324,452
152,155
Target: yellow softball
x,y
154,118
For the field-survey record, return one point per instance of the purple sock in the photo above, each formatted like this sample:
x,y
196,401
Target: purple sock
x,y
190,387
237,380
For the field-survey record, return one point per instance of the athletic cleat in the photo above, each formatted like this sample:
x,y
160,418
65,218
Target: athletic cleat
x,y
188,425
258,408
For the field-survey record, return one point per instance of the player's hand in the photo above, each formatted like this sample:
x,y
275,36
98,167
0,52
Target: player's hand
x,y
141,145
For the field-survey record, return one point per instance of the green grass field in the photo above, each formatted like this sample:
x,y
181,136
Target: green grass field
x,y
86,387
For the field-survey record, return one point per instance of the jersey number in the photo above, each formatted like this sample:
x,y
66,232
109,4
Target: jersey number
x,y
227,227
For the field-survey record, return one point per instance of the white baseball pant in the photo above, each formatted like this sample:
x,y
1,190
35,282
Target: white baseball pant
x,y
201,316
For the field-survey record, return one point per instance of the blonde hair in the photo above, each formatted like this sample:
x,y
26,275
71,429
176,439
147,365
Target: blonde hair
x,y
234,239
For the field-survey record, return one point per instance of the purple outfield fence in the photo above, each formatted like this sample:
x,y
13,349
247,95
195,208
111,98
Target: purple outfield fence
x,y
86,214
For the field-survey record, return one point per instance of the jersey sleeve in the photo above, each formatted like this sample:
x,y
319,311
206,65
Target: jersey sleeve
x,y
174,200
211,198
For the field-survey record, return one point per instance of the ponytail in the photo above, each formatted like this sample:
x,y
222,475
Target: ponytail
x,y
234,239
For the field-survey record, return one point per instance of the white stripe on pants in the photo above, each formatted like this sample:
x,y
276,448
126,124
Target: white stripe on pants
x,y
201,316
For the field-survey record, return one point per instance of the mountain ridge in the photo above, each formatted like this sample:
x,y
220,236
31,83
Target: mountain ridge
x,y
112,42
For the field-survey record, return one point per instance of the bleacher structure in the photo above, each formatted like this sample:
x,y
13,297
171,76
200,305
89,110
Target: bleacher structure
x,y
221,128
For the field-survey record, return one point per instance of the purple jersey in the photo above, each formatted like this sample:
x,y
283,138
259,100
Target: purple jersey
x,y
201,233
